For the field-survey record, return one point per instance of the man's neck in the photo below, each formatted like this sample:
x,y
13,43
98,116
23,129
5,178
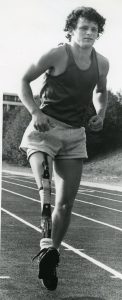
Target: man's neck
x,y
80,51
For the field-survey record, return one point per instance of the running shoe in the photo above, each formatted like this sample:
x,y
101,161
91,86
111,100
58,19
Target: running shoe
x,y
48,261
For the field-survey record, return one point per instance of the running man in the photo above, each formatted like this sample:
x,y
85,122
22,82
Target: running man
x,y
75,75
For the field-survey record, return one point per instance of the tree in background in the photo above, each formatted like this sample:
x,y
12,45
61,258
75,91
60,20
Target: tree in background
x,y
13,136
109,139
112,131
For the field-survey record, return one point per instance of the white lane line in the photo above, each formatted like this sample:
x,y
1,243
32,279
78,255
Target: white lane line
x,y
23,174
76,251
20,195
22,185
101,192
21,220
67,249
14,183
81,190
102,198
95,196
8,176
94,261
17,179
73,213
85,190
77,200
99,222
4,277
106,207
82,183
113,276
105,186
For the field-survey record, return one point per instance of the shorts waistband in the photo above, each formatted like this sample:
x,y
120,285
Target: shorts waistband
x,y
58,122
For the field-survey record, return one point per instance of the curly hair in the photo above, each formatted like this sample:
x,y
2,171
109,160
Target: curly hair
x,y
85,12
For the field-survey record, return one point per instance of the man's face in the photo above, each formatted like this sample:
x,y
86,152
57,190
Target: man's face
x,y
85,33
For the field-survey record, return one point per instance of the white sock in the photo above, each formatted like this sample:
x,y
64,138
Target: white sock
x,y
46,243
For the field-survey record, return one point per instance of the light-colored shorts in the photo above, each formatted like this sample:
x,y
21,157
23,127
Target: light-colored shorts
x,y
62,141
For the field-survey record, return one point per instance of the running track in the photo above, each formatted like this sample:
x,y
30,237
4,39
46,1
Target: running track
x,y
91,254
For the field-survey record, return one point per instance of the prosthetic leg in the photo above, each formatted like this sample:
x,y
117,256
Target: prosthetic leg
x,y
48,255
45,191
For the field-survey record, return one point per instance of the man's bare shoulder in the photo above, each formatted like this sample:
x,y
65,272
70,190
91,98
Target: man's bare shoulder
x,y
55,54
58,50
52,59
103,64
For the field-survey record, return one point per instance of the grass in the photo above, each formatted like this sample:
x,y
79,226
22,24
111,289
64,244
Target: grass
x,y
106,168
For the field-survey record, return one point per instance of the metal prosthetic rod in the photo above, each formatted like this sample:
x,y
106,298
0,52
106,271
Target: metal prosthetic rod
x,y
46,221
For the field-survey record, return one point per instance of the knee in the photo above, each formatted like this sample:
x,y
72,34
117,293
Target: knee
x,y
65,209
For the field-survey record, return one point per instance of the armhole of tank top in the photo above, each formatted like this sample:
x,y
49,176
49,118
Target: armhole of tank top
x,y
97,63
70,56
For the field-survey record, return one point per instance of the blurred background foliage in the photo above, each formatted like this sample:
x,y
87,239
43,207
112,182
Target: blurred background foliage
x,y
109,139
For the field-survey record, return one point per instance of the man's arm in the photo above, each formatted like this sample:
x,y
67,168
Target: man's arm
x,y
35,70
100,99
46,62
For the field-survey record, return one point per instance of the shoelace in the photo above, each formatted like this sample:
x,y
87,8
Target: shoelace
x,y
37,254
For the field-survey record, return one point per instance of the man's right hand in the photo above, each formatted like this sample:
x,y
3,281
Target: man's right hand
x,y
40,121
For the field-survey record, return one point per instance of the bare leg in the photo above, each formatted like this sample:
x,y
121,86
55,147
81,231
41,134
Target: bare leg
x,y
67,179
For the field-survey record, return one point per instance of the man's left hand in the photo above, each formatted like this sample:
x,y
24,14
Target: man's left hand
x,y
95,123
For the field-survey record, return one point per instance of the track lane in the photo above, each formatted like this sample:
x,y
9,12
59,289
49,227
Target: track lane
x,y
92,237
92,229
89,210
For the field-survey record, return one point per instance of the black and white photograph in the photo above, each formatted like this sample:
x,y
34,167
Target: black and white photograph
x,y
61,150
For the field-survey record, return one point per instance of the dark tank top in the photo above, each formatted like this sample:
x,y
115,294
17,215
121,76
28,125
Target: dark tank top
x,y
66,97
